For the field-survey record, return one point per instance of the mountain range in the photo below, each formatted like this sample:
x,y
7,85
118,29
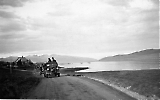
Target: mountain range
x,y
144,55
60,58
44,58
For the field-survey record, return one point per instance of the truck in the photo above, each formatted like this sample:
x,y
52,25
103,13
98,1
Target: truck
x,y
50,70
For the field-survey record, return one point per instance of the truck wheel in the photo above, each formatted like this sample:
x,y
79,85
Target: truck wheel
x,y
47,75
44,75
58,74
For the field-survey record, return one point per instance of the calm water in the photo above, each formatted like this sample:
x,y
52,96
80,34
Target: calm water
x,y
113,66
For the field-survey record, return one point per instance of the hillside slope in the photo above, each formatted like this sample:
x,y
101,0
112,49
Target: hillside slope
x,y
145,55
9,59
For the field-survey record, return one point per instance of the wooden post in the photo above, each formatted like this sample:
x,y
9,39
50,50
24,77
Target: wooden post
x,y
10,68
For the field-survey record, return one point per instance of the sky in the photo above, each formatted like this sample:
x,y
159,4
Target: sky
x,y
87,28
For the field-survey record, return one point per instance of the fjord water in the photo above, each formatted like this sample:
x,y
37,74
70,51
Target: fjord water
x,y
114,66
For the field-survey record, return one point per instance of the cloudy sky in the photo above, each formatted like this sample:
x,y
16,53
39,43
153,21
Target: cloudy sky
x,y
93,28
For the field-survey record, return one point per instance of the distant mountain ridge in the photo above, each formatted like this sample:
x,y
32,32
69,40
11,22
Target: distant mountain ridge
x,y
144,55
60,58
44,58
9,59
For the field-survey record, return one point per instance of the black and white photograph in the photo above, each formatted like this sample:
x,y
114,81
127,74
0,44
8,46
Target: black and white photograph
x,y
79,49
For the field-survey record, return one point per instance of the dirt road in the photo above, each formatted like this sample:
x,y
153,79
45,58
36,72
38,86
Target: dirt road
x,y
75,88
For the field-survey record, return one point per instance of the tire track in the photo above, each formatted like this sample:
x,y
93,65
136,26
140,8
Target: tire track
x,y
74,88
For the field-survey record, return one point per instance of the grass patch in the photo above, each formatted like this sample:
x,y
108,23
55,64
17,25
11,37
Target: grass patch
x,y
13,86
144,82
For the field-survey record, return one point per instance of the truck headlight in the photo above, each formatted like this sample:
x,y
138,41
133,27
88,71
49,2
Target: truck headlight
x,y
47,64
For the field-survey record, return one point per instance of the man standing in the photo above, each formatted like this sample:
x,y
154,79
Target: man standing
x,y
49,60
54,61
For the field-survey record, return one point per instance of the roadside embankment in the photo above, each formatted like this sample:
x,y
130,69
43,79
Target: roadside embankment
x,y
14,85
140,84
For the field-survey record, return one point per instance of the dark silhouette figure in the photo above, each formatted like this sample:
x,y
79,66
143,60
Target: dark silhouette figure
x,y
49,60
54,62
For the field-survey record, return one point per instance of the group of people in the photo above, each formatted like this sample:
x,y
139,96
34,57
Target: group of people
x,y
52,61
44,66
